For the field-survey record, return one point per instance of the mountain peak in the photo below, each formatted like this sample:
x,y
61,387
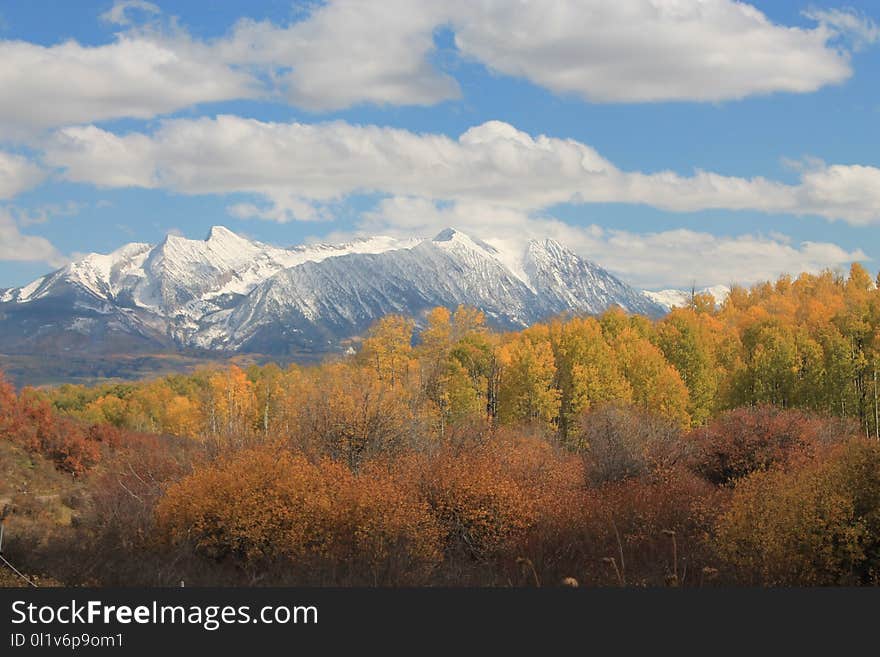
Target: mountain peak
x,y
454,236
446,235
170,238
546,243
218,233
548,248
673,298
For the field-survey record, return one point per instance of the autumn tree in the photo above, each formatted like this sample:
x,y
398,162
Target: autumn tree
x,y
454,363
268,382
387,347
587,371
231,411
689,341
527,390
655,384
347,413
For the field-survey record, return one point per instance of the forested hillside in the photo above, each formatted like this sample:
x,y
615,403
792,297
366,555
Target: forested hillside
x,y
734,444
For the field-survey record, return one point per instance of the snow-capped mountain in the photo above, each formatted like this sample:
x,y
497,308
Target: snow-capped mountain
x,y
228,293
678,298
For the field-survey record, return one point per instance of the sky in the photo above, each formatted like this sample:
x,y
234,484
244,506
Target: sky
x,y
674,142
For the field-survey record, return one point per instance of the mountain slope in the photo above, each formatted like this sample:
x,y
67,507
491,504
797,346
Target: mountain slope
x,y
678,298
227,293
565,281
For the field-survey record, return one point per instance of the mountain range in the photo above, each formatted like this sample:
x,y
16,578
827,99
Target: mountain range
x,y
229,294
677,298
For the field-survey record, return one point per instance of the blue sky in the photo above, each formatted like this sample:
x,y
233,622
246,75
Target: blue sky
x,y
348,117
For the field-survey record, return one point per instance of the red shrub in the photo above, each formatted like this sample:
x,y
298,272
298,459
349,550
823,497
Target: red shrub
x,y
32,423
106,434
746,440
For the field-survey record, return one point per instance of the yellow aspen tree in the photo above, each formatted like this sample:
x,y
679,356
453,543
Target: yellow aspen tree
x,y
656,385
587,371
527,390
388,348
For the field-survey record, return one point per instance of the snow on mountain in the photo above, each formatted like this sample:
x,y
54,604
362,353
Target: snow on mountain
x,y
309,305
169,276
229,293
678,298
564,280
96,274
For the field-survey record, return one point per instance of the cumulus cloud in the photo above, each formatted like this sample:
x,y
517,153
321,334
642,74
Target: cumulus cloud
x,y
654,260
17,174
139,75
297,168
15,246
649,260
651,50
352,51
348,52
849,192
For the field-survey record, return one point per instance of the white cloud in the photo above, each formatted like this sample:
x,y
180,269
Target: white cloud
x,y
667,259
139,75
105,159
44,213
283,208
655,260
17,174
859,29
348,52
297,168
849,192
118,14
353,51
650,50
14,246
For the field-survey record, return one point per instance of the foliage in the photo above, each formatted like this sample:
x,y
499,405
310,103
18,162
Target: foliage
x,y
716,444
748,440
262,505
816,525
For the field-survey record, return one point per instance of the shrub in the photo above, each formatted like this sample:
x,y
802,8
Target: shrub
x,y
654,527
618,442
746,440
324,524
29,420
481,509
816,525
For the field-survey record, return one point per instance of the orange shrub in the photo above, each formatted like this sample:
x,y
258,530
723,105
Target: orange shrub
x,y
815,525
9,415
480,504
263,506
29,421
545,472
